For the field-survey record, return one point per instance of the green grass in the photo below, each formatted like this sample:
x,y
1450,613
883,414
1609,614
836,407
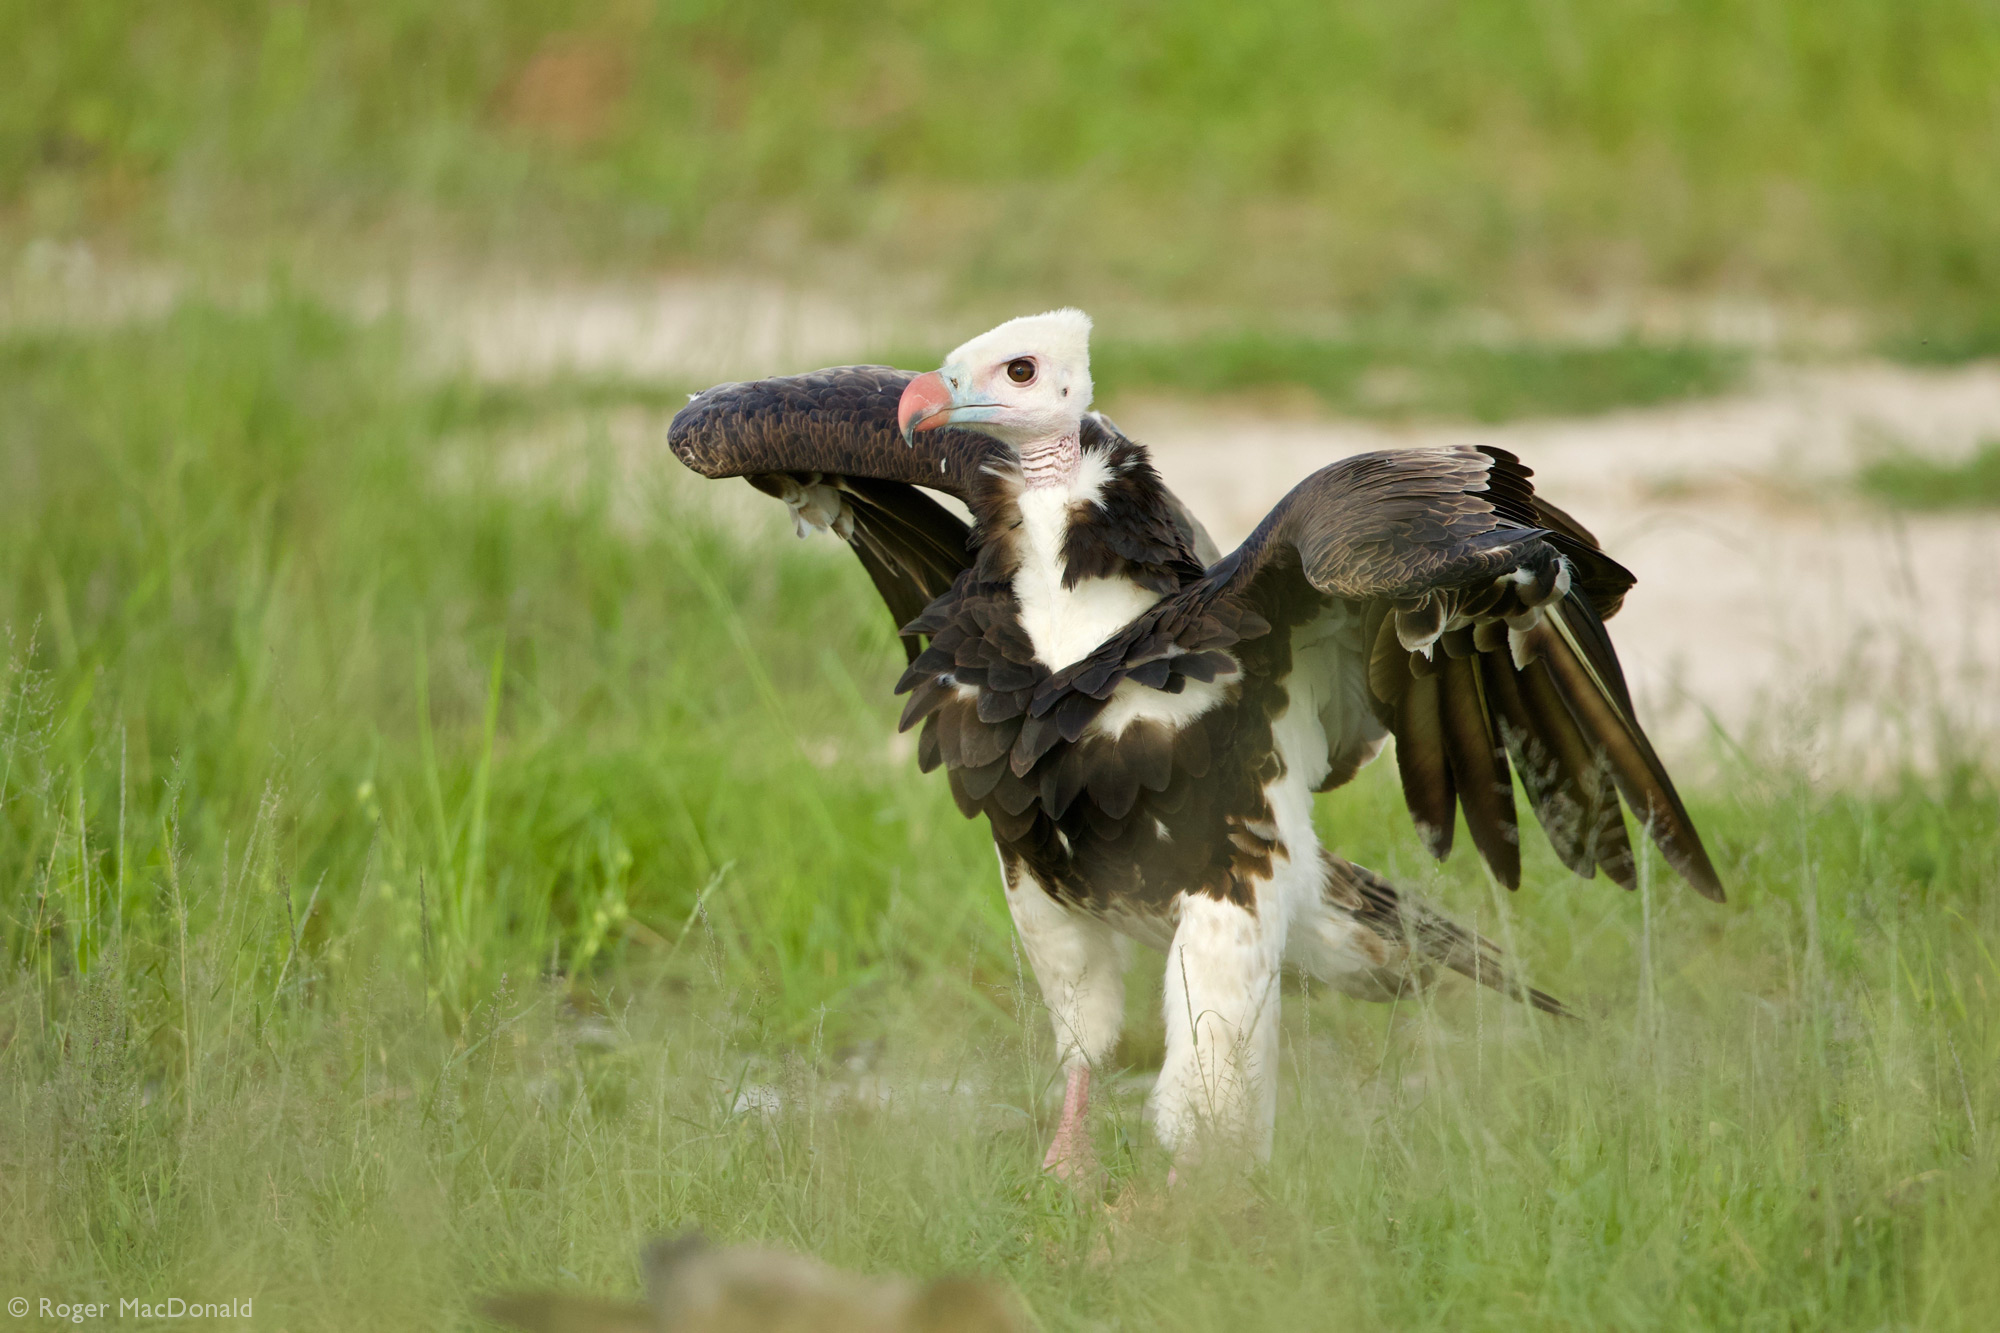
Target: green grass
x,y
1910,481
1952,343
1411,157
294,591
417,865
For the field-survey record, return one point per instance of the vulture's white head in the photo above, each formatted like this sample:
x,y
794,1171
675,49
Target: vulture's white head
x,y
1026,383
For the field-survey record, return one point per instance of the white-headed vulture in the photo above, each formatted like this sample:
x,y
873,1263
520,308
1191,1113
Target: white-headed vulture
x,y
1143,724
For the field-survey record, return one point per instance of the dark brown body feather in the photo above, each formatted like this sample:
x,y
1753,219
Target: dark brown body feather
x,y
1116,825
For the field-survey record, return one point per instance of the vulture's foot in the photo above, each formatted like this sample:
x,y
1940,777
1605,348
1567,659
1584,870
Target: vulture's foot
x,y
1071,1157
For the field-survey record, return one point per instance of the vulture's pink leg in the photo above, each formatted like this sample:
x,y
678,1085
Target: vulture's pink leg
x,y
1070,1156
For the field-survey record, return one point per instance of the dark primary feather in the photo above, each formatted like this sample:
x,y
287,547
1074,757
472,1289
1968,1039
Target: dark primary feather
x,y
1573,643
1479,766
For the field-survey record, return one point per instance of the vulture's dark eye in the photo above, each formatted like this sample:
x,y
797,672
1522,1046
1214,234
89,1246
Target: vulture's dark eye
x,y
1021,370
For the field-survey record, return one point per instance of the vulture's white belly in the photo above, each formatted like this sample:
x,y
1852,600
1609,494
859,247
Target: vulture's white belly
x,y
1064,624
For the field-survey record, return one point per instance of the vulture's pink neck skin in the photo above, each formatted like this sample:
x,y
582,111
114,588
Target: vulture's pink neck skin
x,y
1051,462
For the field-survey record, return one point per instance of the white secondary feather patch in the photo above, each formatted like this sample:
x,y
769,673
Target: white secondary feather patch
x,y
1301,744
1131,702
817,506
1329,680
1325,713
1066,623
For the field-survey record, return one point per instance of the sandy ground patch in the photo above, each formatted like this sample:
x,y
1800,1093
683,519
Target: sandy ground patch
x,y
695,329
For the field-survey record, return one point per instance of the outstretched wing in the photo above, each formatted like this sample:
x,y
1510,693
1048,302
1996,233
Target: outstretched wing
x,y
838,422
827,444
1463,615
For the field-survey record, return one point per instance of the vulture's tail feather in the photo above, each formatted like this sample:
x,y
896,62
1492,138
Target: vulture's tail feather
x,y
1430,935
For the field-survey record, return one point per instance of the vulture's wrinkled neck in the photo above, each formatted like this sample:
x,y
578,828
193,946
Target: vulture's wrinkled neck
x,y
1051,462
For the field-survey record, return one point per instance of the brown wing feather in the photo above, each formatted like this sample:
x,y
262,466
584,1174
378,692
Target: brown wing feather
x,y
1479,768
1451,559
1553,792
1584,804
840,421
1641,779
912,548
1457,543
839,426
1429,788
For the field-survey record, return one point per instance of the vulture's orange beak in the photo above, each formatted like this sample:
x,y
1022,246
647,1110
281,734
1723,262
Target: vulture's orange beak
x,y
926,404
